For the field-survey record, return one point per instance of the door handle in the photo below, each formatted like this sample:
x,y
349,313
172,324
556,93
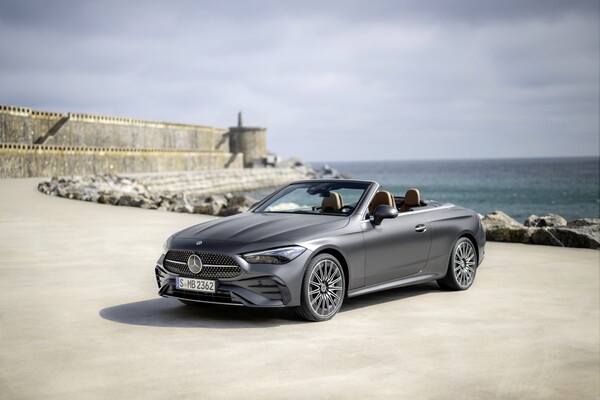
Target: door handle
x,y
420,228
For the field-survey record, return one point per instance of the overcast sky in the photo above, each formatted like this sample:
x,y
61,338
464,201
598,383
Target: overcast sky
x,y
330,80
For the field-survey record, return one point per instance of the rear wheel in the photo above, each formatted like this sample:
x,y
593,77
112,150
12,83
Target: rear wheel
x,y
323,289
462,266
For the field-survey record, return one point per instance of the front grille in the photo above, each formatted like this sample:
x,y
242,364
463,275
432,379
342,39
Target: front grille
x,y
215,265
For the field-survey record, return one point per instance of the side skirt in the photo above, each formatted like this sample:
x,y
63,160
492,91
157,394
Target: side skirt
x,y
393,284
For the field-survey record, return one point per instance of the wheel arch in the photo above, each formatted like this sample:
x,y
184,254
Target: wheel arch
x,y
340,257
471,237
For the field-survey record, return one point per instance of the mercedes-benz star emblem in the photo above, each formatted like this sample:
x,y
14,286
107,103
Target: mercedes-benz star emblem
x,y
194,264
199,242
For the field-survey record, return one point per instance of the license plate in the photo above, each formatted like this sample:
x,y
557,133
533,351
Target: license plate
x,y
196,285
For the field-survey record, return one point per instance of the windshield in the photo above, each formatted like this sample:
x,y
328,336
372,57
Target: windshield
x,y
334,198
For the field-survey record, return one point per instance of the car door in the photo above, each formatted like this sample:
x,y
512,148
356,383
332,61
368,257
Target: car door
x,y
397,248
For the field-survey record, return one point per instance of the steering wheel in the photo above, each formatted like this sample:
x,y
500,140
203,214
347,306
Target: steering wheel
x,y
347,209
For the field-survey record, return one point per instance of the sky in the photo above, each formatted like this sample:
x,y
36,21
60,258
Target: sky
x,y
330,80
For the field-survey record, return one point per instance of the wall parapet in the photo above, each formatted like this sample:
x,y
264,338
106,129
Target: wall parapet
x,y
37,147
103,119
93,118
15,110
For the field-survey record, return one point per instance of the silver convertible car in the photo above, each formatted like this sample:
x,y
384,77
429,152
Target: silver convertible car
x,y
312,243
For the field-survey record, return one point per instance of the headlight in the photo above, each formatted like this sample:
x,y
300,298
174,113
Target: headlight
x,y
165,246
281,255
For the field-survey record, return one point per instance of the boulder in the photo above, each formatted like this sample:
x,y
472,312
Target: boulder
x,y
546,220
205,208
568,237
500,227
124,200
236,205
328,172
507,233
584,222
211,205
500,218
108,198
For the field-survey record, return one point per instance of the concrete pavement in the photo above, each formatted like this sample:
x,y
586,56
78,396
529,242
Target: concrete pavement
x,y
80,319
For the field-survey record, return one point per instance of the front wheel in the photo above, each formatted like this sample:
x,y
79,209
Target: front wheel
x,y
462,266
323,289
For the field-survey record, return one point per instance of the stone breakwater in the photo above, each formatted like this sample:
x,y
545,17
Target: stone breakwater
x,y
201,192
220,192
550,230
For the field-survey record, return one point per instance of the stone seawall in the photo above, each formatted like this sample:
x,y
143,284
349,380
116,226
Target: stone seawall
x,y
20,125
21,161
37,144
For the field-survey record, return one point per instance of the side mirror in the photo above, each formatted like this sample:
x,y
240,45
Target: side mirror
x,y
382,212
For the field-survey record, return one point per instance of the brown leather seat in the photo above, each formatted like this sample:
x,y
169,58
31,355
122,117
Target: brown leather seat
x,y
412,199
381,197
333,203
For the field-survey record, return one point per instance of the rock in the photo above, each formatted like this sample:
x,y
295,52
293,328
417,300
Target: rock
x,y
507,233
108,198
532,220
94,196
500,227
149,203
545,237
328,172
44,187
179,204
568,237
124,200
584,222
211,205
236,205
546,220
500,218
549,230
204,208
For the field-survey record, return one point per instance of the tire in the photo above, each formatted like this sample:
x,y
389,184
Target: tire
x,y
323,289
462,266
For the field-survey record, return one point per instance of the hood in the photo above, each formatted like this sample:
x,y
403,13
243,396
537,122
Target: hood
x,y
263,227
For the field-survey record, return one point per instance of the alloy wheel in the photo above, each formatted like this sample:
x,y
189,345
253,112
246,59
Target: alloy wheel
x,y
325,288
464,263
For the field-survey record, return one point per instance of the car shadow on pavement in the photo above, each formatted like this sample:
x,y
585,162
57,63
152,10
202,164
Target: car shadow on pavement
x,y
171,313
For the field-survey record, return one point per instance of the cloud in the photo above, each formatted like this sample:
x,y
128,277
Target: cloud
x,y
330,80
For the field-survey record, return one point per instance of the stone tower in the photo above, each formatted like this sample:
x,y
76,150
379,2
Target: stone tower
x,y
251,141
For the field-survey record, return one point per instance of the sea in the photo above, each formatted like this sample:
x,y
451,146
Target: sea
x,y
569,187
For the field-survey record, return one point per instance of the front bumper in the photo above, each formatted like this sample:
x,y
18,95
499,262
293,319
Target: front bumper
x,y
258,285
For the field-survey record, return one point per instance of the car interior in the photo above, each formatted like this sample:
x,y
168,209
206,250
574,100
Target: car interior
x,y
334,202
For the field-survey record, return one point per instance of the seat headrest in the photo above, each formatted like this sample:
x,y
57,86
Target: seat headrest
x,y
412,197
333,203
382,197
